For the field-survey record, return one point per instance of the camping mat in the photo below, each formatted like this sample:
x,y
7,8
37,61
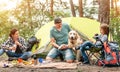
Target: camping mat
x,y
57,65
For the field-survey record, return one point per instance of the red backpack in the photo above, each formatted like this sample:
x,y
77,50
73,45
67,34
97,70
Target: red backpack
x,y
111,55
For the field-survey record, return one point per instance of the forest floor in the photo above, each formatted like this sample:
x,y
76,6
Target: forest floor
x,y
80,68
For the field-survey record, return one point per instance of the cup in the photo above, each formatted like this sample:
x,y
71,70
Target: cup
x,y
41,60
15,46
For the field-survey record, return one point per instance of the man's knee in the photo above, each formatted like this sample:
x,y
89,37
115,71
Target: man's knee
x,y
69,61
49,58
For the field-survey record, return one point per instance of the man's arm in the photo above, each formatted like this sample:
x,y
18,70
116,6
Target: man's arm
x,y
104,38
53,42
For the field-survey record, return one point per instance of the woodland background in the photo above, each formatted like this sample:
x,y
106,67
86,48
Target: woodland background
x,y
30,15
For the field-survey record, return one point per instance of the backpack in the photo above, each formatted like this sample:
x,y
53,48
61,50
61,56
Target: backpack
x,y
31,42
111,55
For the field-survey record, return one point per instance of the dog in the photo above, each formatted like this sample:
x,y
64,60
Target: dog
x,y
74,41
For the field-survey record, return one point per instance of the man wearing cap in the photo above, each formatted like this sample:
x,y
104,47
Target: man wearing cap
x,y
59,41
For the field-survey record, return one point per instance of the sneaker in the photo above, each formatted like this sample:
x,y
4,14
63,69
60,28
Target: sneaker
x,y
81,59
12,58
86,62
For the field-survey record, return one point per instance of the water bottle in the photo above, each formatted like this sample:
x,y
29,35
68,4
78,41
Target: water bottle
x,y
35,59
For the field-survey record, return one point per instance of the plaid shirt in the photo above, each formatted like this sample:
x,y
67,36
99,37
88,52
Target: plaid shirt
x,y
10,43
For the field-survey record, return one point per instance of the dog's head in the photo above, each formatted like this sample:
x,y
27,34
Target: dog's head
x,y
73,35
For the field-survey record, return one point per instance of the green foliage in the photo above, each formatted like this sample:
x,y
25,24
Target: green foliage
x,y
29,16
61,14
90,10
115,28
4,25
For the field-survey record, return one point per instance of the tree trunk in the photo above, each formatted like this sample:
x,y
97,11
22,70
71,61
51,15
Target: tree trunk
x,y
116,8
104,11
80,8
29,14
51,7
72,8
112,4
112,9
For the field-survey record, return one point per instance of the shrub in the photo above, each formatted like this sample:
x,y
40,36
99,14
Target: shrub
x,y
115,28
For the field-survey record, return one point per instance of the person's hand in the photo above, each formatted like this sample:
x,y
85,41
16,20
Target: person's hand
x,y
17,43
81,41
63,46
13,47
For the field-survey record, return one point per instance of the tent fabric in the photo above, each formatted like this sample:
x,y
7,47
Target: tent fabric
x,y
84,26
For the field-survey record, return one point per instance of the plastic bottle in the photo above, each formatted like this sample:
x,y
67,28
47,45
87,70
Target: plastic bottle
x,y
35,60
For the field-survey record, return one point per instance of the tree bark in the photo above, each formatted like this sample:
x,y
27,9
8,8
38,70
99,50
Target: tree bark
x,y
51,7
72,8
112,4
80,8
29,14
104,11
116,8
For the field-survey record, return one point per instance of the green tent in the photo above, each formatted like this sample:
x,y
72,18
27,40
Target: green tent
x,y
84,26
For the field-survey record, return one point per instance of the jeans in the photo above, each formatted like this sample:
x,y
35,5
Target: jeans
x,y
67,53
24,55
83,47
1,51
